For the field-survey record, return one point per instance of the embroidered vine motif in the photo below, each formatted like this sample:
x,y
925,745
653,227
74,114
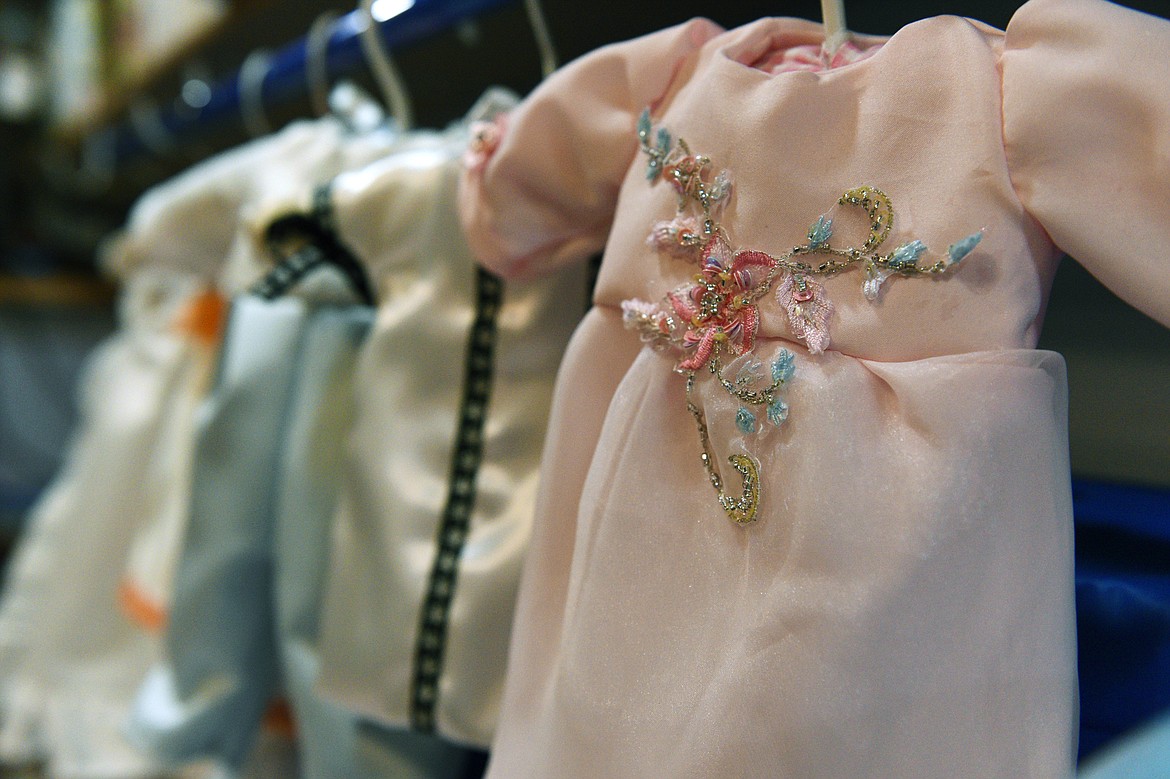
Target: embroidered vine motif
x,y
716,315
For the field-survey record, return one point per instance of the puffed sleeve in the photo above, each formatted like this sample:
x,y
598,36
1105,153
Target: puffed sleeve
x,y
1086,109
546,193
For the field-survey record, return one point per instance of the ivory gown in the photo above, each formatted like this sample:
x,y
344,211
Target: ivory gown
x,y
452,395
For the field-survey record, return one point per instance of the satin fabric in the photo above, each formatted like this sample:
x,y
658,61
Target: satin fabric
x,y
310,477
399,217
904,604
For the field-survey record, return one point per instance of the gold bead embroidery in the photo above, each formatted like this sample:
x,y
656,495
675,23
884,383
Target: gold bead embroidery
x,y
742,509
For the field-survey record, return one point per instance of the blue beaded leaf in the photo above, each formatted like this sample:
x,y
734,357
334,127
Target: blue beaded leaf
x,y
783,367
820,233
745,421
644,125
664,142
777,412
907,254
960,249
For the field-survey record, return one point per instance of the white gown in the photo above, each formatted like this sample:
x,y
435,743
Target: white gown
x,y
70,662
169,719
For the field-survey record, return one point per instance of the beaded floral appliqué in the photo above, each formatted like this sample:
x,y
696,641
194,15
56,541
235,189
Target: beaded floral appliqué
x,y
485,139
716,315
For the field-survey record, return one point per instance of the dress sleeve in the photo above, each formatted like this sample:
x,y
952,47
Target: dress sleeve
x,y
545,195
1086,90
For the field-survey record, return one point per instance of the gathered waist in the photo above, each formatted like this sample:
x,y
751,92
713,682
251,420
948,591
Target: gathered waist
x,y
770,339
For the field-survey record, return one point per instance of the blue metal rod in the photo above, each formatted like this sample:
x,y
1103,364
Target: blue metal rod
x,y
286,78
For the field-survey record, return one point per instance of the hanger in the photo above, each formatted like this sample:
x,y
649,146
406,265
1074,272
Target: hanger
x,y
833,16
386,74
300,243
346,102
303,242
544,44
147,122
317,61
250,83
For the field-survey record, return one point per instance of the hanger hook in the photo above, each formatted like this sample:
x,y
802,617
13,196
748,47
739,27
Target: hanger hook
x,y
833,18
251,88
317,61
544,42
389,79
97,157
147,123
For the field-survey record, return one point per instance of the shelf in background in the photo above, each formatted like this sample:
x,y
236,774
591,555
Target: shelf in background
x,y
57,290
116,98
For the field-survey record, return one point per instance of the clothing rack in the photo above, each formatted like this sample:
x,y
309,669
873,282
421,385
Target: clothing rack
x,y
285,75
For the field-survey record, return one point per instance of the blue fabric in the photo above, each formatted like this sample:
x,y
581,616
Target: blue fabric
x,y
307,487
1143,755
1123,608
243,621
221,645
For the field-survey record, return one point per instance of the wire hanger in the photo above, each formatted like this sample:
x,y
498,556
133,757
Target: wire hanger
x,y
146,121
317,61
833,16
251,87
346,102
386,74
544,43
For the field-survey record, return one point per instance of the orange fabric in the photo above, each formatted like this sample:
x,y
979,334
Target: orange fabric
x,y
140,608
204,317
279,719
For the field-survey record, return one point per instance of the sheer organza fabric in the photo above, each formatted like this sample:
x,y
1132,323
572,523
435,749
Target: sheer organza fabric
x,y
904,604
